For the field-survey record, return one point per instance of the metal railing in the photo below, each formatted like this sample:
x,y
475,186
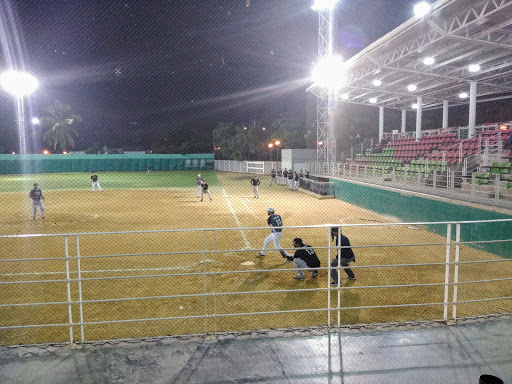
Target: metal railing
x,y
78,280
448,183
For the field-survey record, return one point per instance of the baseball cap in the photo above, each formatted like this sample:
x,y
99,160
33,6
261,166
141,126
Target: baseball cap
x,y
270,209
35,184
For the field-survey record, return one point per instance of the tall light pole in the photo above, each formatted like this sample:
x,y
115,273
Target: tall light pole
x,y
270,145
19,84
326,59
277,143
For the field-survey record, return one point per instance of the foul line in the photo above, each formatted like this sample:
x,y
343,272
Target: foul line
x,y
246,206
247,244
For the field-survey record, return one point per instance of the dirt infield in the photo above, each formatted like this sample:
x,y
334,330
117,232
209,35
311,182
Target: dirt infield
x,y
216,252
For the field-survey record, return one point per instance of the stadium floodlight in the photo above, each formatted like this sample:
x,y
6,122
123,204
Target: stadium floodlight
x,y
330,72
344,96
373,100
463,95
474,68
277,142
503,127
324,5
18,84
377,82
421,9
411,87
46,152
35,121
429,60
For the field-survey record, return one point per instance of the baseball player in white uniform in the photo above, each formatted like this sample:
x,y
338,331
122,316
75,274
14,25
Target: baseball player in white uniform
x,y
95,182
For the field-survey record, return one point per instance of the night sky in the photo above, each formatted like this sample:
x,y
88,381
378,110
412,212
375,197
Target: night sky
x,y
136,70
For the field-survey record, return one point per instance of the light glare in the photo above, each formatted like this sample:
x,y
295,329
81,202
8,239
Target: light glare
x,y
463,95
474,68
421,9
415,106
18,84
377,82
429,60
323,5
373,100
329,72
344,96
411,87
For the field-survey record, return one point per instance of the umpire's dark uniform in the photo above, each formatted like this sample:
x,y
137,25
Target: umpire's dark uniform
x,y
346,256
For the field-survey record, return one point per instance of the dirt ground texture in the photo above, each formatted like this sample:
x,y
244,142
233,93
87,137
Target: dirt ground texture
x,y
173,264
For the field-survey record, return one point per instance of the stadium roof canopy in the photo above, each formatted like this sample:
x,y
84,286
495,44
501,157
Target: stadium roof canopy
x,y
457,34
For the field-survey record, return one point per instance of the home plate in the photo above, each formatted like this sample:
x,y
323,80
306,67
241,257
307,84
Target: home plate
x,y
248,263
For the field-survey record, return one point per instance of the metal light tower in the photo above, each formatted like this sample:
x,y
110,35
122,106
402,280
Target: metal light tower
x,y
19,84
325,101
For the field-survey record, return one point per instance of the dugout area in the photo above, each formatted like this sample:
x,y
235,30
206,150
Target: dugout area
x,y
191,266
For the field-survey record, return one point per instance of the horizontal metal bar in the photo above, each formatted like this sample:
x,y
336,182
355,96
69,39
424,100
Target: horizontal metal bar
x,y
251,228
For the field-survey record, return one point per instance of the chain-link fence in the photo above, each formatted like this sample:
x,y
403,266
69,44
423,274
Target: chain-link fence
x,y
96,286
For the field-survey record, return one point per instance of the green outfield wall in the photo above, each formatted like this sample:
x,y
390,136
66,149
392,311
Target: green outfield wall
x,y
22,164
409,207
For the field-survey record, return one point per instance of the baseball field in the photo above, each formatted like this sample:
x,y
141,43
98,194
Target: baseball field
x,y
158,265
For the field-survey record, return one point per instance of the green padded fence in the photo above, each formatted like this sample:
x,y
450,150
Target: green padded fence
x,y
22,164
411,208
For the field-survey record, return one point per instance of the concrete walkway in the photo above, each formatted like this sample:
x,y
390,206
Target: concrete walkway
x,y
420,353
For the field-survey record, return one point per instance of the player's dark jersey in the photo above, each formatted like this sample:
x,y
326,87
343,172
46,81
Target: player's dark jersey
x,y
149,167
273,174
346,253
275,221
308,254
36,194
280,173
290,175
94,178
204,186
285,173
255,181
296,177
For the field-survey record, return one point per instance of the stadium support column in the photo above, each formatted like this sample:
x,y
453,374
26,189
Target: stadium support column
x,y
381,123
472,108
404,120
445,114
418,118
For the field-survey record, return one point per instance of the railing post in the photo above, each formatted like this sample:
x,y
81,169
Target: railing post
x,y
68,289
79,277
434,180
456,272
204,285
447,272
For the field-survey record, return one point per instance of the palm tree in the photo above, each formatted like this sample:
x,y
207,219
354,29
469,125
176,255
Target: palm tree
x,y
61,124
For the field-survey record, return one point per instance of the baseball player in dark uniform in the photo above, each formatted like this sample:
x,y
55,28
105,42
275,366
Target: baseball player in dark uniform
x,y
290,179
285,176
255,182
150,170
346,256
304,258
295,181
95,182
275,223
273,177
279,177
36,195
204,189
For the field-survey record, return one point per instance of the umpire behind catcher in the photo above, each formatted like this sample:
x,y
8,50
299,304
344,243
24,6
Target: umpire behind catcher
x,y
304,258
346,256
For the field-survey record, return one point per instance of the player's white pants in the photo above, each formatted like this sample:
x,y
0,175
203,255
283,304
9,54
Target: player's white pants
x,y
280,181
290,183
273,179
300,264
255,190
36,204
149,172
276,238
207,192
295,184
199,189
96,184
